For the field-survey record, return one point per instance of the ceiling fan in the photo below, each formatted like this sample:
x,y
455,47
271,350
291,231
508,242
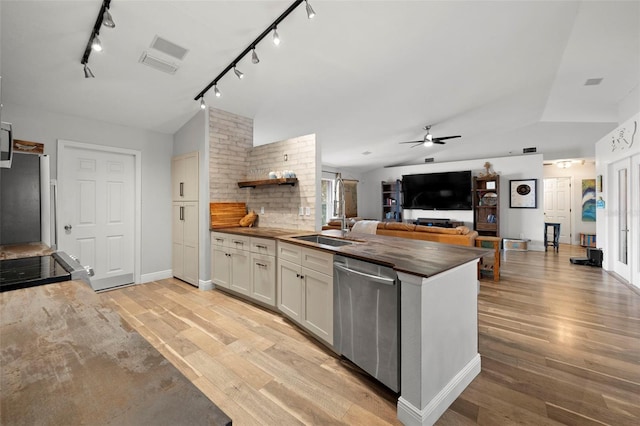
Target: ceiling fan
x,y
429,140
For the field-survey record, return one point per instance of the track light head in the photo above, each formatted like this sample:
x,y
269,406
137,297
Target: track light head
x,y
107,20
95,44
87,72
276,36
254,56
310,12
203,105
238,73
216,91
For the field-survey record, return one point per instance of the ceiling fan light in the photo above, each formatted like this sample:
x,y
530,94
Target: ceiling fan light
x,y
107,20
95,44
87,72
310,12
429,137
254,56
428,143
276,36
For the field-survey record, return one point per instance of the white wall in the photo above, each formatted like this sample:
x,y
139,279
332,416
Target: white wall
x,y
576,172
514,223
47,127
192,137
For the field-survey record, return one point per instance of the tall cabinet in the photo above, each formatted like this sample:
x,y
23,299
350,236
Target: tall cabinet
x,y
392,201
185,246
486,205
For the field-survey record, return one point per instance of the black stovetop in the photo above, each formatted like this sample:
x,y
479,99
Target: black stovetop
x,y
30,272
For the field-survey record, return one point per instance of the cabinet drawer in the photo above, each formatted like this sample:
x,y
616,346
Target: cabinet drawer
x,y
218,239
263,246
240,242
317,260
290,252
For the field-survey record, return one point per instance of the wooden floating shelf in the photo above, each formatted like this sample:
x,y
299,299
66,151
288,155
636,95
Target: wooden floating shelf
x,y
265,182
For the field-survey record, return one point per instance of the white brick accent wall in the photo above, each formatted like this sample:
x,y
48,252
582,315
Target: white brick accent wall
x,y
233,158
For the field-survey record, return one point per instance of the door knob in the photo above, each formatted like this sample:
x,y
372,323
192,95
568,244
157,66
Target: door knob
x,y
67,228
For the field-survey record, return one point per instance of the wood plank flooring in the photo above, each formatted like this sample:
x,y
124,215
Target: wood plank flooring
x,y
560,344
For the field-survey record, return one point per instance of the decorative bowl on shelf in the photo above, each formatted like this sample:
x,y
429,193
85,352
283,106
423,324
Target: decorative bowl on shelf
x,y
490,199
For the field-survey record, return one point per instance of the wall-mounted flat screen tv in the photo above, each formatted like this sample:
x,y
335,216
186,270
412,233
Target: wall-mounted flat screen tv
x,y
437,191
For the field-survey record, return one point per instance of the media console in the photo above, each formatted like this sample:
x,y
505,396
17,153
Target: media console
x,y
443,223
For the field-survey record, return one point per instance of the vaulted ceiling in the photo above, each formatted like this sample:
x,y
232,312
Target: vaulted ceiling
x,y
362,75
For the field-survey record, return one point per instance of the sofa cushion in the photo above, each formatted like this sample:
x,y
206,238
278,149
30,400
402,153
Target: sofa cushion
x,y
437,230
397,226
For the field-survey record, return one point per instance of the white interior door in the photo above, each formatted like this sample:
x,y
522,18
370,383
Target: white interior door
x,y
557,205
96,218
620,177
635,224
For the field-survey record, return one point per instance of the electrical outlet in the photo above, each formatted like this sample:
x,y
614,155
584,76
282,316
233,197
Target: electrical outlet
x,y
307,211
261,210
301,211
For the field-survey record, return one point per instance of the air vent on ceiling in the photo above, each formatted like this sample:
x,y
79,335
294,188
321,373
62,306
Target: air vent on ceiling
x,y
157,63
366,153
593,82
528,150
429,160
171,49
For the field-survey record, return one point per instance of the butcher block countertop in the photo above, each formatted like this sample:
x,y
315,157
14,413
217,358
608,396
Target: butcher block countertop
x,y
68,359
416,257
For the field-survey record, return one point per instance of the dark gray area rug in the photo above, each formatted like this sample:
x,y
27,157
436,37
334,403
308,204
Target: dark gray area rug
x,y
67,358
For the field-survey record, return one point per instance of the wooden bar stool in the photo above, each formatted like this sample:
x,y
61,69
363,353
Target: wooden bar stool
x,y
556,236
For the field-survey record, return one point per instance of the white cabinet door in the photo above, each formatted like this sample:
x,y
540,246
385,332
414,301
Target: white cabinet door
x,y
290,289
220,266
190,242
264,278
184,176
177,245
318,304
240,280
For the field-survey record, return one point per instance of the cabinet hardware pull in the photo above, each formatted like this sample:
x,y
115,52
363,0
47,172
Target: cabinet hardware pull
x,y
261,246
181,213
302,277
261,264
239,242
182,189
220,239
297,275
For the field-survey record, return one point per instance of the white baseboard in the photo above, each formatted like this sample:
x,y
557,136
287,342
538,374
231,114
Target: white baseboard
x,y
408,414
205,285
154,276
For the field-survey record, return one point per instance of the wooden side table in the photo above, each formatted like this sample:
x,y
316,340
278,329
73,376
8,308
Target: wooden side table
x,y
490,242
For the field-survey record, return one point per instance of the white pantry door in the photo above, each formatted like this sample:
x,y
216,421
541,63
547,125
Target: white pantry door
x,y
622,223
97,212
557,205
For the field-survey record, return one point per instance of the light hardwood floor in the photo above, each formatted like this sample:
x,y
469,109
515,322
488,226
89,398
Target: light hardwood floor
x,y
560,344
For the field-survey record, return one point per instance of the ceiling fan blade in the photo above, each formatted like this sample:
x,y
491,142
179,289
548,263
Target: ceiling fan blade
x,y
438,141
413,142
446,137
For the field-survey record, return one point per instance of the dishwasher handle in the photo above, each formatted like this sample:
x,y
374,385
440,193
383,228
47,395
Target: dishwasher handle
x,y
377,278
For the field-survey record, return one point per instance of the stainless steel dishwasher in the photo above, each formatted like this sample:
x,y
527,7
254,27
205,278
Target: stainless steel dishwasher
x,y
366,300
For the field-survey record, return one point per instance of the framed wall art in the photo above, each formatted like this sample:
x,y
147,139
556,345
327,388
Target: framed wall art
x,y
524,194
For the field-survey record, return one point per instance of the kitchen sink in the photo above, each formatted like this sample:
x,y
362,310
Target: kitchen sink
x,y
321,239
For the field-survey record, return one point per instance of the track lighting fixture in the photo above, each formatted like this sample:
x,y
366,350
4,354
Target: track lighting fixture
x,y
94,44
203,105
276,36
107,20
273,28
87,72
310,12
